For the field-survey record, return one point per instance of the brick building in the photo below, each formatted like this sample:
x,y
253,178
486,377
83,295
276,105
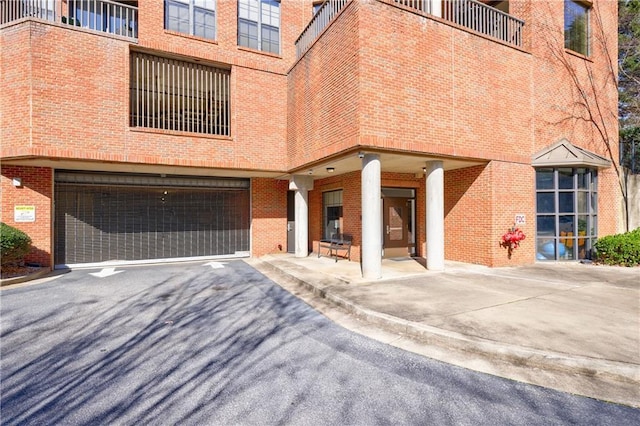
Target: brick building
x,y
163,129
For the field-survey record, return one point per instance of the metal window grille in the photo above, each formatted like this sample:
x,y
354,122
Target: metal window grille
x,y
103,217
171,94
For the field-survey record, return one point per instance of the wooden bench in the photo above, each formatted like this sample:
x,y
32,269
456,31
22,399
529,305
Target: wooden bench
x,y
335,244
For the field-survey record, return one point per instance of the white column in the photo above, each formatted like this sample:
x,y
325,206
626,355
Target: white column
x,y
371,218
435,215
301,185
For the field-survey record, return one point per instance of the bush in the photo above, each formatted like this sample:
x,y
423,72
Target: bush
x,y
14,244
620,249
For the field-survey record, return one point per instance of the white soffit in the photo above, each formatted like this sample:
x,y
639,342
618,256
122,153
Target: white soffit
x,y
564,153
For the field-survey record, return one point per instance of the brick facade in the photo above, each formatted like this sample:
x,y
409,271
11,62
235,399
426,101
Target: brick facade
x,y
381,78
37,191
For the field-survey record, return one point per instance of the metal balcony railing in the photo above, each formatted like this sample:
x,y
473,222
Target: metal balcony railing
x,y
484,19
476,16
470,14
105,16
321,19
12,10
421,5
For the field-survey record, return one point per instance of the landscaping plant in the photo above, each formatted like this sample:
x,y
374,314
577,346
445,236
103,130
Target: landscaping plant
x,y
14,245
620,249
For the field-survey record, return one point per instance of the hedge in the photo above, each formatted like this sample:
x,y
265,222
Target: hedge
x,y
14,244
620,249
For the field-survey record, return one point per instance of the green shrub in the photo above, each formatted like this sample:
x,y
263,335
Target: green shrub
x,y
620,249
14,244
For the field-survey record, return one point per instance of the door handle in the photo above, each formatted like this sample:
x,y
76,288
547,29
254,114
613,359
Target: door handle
x,y
288,227
388,230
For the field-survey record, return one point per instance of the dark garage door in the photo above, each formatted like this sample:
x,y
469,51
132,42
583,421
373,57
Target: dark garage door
x,y
103,217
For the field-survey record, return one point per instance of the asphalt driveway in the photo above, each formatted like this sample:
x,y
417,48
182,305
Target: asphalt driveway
x,y
221,344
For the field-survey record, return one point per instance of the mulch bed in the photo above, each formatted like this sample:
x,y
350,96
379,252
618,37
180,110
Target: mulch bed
x,y
12,271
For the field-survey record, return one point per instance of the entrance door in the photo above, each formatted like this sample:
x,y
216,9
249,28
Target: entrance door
x,y
395,217
291,222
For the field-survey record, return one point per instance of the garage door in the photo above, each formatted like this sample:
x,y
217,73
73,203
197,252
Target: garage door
x,y
110,217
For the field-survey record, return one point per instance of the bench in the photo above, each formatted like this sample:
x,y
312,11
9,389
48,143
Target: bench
x,y
335,244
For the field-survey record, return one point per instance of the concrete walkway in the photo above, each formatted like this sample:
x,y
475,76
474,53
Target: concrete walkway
x,y
566,326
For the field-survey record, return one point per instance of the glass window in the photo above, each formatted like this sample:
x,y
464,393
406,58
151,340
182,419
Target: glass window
x,y
546,202
331,213
566,228
546,225
259,25
583,179
194,17
544,179
576,27
565,178
565,202
583,206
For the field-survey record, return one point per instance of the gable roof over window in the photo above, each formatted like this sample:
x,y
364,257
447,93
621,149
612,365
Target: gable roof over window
x,y
564,153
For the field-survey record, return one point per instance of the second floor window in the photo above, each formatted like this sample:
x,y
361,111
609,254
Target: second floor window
x,y
259,25
576,27
193,17
170,94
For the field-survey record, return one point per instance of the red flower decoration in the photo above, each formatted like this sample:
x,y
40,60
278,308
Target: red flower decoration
x,y
511,240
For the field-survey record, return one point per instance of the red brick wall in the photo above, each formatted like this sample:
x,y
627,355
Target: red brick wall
x,y
80,106
37,191
560,76
15,63
481,203
380,76
428,86
323,93
268,216
351,185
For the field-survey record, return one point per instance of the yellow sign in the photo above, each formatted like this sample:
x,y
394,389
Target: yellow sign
x,y
24,213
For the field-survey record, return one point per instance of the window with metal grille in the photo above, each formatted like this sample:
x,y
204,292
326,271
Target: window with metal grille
x,y
194,17
259,25
171,94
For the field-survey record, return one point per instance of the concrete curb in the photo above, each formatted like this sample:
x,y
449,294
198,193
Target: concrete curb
x,y
24,278
522,357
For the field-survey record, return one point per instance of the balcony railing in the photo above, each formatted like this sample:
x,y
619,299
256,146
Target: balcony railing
x,y
321,19
474,15
421,5
471,14
484,19
105,16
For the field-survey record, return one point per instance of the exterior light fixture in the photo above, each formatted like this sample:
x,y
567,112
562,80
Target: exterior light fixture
x,y
424,169
360,154
16,182
310,171
331,169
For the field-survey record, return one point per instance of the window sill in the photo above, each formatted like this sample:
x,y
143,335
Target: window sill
x,y
577,54
179,133
191,37
248,49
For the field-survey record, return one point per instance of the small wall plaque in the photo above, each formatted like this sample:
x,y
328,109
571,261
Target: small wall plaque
x,y
24,213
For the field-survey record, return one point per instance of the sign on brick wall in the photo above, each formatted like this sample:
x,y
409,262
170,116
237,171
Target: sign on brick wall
x,y
24,213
